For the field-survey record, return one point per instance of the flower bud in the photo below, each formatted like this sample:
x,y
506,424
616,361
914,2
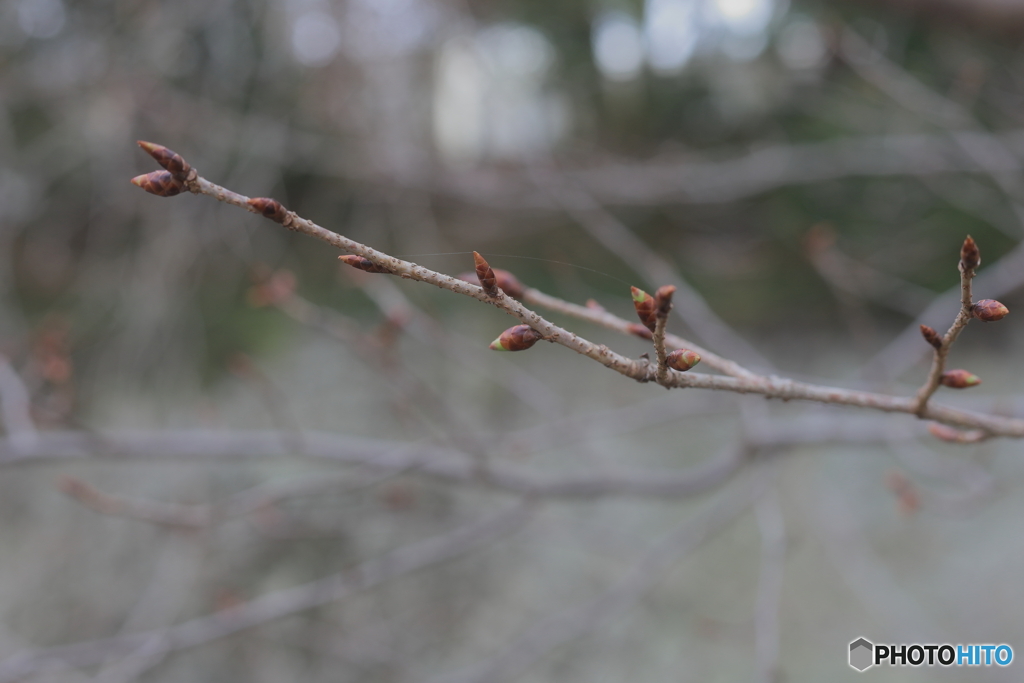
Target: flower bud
x,y
663,299
363,264
682,359
518,338
990,310
485,275
970,255
644,304
269,208
160,183
170,160
508,282
931,336
959,379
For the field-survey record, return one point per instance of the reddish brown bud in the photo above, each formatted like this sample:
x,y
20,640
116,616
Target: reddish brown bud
x,y
518,338
485,275
594,306
508,282
269,208
170,160
644,304
970,256
990,310
160,183
682,359
959,379
663,299
363,264
639,330
954,435
931,336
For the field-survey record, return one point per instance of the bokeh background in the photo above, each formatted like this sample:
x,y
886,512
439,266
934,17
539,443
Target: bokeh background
x,y
808,168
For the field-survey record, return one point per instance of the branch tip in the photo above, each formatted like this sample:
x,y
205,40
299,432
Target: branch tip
x,y
970,255
160,183
169,159
663,299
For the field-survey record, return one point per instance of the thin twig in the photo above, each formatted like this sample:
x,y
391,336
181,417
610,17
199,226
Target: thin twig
x,y
614,322
967,269
771,387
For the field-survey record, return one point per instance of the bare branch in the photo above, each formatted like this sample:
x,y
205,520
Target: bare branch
x,y
771,387
969,262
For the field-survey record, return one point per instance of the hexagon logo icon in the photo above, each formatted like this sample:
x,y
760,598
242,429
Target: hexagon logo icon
x,y
862,654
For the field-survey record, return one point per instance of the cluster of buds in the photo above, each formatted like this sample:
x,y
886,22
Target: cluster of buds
x,y
682,359
959,379
517,338
663,300
172,180
364,264
492,279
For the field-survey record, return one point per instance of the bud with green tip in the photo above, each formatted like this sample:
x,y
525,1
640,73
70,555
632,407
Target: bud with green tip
x,y
518,338
990,310
682,359
959,379
646,307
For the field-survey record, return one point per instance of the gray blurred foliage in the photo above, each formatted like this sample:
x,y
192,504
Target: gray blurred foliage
x,y
815,212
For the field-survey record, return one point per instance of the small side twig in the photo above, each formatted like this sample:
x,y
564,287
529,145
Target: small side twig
x,y
970,259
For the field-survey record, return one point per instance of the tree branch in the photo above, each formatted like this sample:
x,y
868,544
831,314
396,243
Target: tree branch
x,y
180,176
